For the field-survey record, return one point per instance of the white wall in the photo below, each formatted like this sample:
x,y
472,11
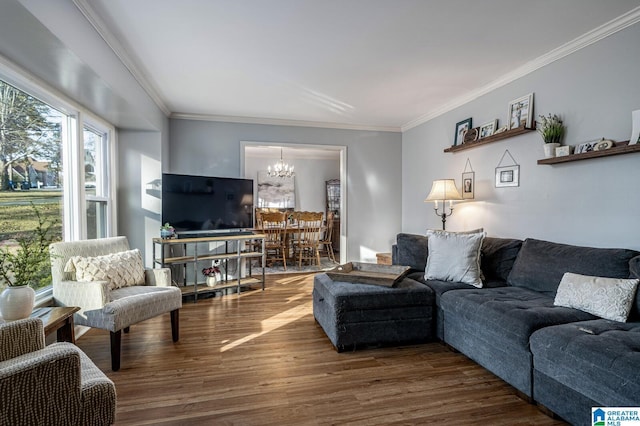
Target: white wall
x,y
373,166
310,178
593,202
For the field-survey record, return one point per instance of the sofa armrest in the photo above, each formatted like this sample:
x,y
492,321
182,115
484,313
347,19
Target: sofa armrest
x,y
51,379
21,337
160,277
411,250
87,295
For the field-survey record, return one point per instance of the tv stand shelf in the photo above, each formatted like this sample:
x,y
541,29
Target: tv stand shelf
x,y
241,248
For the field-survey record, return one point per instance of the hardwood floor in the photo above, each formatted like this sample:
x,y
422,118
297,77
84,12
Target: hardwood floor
x,y
261,359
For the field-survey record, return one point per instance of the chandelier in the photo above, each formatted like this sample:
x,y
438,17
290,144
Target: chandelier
x,y
280,169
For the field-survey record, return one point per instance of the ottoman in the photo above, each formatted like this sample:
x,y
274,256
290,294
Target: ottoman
x,y
357,315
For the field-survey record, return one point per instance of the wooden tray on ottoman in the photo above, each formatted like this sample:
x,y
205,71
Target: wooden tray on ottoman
x,y
368,273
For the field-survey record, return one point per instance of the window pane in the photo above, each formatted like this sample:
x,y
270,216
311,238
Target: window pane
x,y
96,219
30,180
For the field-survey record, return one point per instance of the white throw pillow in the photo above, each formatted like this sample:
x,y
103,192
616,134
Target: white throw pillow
x,y
454,257
609,298
119,269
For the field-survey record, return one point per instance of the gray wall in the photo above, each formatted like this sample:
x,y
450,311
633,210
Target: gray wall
x,y
373,167
311,175
591,202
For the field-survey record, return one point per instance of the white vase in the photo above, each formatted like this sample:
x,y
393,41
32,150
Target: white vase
x,y
212,281
17,302
550,149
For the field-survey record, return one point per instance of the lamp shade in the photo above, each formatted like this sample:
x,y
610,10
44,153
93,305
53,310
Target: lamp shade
x,y
443,189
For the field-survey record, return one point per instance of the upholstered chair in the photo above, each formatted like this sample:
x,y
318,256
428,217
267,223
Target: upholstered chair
x,y
50,385
112,288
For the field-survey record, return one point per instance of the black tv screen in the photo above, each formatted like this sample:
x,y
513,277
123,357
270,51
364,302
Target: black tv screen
x,y
202,204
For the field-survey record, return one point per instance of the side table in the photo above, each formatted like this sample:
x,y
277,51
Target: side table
x,y
383,258
59,319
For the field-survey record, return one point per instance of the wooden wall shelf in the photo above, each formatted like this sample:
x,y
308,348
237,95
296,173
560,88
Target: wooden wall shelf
x,y
490,139
616,150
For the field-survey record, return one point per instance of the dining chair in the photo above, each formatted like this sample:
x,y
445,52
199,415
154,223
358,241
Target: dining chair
x,y
325,245
307,239
274,227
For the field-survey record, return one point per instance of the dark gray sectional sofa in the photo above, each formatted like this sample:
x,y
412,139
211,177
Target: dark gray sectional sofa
x,y
565,359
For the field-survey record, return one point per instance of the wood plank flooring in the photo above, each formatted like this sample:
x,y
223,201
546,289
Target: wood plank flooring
x,y
261,359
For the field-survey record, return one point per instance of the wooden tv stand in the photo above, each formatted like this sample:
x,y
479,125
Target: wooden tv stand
x,y
244,247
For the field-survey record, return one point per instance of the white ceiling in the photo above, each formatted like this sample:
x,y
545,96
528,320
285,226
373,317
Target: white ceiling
x,y
378,64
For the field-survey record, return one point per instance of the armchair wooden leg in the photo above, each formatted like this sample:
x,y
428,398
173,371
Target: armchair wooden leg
x,y
116,343
175,324
126,330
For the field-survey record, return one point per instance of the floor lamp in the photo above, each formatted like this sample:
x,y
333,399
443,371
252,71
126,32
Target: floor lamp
x,y
443,190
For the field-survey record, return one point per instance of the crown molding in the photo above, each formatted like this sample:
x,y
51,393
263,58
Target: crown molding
x,y
96,22
587,39
282,122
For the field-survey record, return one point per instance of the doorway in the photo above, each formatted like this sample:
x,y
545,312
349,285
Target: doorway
x,y
315,165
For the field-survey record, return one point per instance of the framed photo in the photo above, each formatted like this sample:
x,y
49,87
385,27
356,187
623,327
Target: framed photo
x,y
507,176
488,129
461,128
468,185
521,112
563,151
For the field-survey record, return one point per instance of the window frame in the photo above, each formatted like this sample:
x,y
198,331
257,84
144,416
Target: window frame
x,y
77,118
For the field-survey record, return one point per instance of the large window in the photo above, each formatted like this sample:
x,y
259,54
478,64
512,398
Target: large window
x,y
54,165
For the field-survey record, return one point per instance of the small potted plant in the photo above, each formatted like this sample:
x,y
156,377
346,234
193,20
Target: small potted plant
x,y
212,273
552,131
167,231
23,266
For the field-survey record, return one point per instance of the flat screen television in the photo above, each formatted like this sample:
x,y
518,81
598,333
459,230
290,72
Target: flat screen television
x,y
196,205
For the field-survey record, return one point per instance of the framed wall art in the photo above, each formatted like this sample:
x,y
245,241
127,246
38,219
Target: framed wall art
x,y
521,112
468,182
461,129
277,192
488,129
507,176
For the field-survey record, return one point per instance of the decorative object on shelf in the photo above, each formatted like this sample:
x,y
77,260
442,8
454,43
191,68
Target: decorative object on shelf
x,y
443,190
212,273
471,135
521,112
25,265
281,169
635,132
501,130
563,151
461,129
167,231
603,144
586,146
468,182
488,129
552,130
507,175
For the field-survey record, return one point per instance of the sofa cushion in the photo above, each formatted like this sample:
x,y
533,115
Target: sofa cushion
x,y
506,315
540,265
411,250
609,298
634,268
599,359
498,256
454,257
119,269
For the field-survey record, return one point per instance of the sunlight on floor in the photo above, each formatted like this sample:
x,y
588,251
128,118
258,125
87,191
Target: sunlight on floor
x,y
273,323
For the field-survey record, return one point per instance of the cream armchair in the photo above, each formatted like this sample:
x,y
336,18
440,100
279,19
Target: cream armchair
x,y
112,309
53,385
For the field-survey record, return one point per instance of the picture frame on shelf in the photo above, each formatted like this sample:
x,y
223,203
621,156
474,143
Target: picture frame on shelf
x,y
507,176
488,129
563,151
461,128
520,112
468,185
501,129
